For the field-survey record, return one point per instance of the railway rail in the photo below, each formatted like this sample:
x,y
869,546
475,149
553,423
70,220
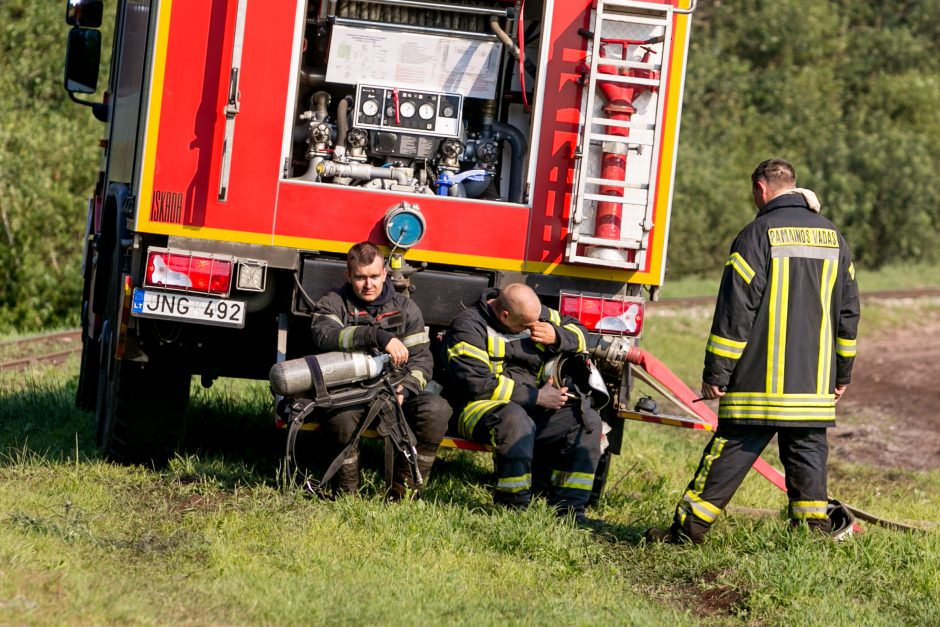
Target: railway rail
x,y
44,349
55,348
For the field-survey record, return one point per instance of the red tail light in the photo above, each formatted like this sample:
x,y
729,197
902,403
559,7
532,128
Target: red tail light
x,y
189,272
604,314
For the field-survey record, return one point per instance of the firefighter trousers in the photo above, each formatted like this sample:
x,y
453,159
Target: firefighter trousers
x,y
728,457
427,414
554,453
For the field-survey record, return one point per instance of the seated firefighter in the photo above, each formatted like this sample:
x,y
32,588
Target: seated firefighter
x,y
542,441
367,314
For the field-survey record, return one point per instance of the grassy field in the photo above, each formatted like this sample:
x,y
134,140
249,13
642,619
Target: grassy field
x,y
211,540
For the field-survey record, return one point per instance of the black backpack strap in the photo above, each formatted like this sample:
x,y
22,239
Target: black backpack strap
x,y
297,421
375,407
398,437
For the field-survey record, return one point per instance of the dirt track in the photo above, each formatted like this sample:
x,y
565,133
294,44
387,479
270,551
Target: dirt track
x,y
890,415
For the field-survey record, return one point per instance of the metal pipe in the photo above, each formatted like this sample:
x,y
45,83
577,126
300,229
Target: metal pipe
x,y
511,46
342,120
319,101
310,78
519,148
361,171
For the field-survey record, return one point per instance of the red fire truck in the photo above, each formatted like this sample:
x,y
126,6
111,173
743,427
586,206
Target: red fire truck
x,y
249,144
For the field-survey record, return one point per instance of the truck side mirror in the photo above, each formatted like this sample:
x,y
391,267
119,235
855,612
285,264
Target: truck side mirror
x,y
85,13
82,58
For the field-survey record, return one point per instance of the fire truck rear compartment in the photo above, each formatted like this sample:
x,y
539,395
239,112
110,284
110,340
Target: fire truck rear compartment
x,y
418,97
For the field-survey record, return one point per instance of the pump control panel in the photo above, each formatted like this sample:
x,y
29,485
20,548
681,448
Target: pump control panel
x,y
408,110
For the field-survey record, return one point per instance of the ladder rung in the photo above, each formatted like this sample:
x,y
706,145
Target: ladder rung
x,y
606,263
618,139
630,4
639,65
619,200
621,244
636,126
613,183
629,80
631,19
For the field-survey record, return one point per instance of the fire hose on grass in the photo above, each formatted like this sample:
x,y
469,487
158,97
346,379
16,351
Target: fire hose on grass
x,y
654,373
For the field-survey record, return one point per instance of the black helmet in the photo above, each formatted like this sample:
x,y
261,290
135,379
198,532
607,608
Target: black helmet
x,y
578,373
843,521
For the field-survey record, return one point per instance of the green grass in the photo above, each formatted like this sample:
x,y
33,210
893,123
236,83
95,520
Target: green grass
x,y
211,540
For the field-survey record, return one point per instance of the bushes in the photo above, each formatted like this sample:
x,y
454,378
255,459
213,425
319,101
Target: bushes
x,y
845,91
48,157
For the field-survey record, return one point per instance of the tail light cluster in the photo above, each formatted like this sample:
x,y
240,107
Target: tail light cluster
x,y
604,314
189,272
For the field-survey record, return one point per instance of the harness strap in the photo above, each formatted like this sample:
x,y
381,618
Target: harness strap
x,y
398,436
374,408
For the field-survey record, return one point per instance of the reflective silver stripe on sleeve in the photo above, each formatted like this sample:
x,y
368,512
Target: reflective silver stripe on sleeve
x,y
415,339
332,317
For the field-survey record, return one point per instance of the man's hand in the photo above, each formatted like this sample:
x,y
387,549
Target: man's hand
x,y
397,351
840,390
551,397
400,394
711,392
543,333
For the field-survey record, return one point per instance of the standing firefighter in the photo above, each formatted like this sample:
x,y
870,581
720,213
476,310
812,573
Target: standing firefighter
x,y
494,355
367,314
779,356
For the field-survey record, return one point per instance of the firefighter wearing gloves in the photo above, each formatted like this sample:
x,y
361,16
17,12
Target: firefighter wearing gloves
x,y
542,443
779,356
366,314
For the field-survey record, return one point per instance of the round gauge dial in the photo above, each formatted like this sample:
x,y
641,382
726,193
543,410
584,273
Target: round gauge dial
x,y
370,107
426,111
407,109
447,111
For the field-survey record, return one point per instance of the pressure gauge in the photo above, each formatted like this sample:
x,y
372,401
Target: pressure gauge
x,y
370,107
447,111
407,109
426,111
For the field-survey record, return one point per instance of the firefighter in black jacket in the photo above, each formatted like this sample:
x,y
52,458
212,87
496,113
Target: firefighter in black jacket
x,y
366,313
494,354
779,356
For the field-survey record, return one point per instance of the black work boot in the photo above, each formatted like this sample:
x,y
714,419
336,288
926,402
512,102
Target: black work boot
x,y
403,481
676,534
580,519
346,479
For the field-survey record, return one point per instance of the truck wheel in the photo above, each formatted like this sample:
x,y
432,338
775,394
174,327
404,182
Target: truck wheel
x,y
142,413
141,406
86,394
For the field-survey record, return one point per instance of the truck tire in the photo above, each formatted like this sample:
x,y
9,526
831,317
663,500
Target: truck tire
x,y
140,415
86,393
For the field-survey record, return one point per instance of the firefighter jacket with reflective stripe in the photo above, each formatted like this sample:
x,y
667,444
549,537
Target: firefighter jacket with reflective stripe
x,y
489,366
343,322
785,323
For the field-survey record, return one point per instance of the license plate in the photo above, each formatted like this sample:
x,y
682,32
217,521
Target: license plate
x,y
188,308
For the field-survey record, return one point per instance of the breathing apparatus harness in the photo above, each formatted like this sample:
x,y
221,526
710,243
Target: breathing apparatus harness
x,y
365,387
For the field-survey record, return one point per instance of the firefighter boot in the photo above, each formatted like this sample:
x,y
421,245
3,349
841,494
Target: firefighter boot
x,y
346,479
402,480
